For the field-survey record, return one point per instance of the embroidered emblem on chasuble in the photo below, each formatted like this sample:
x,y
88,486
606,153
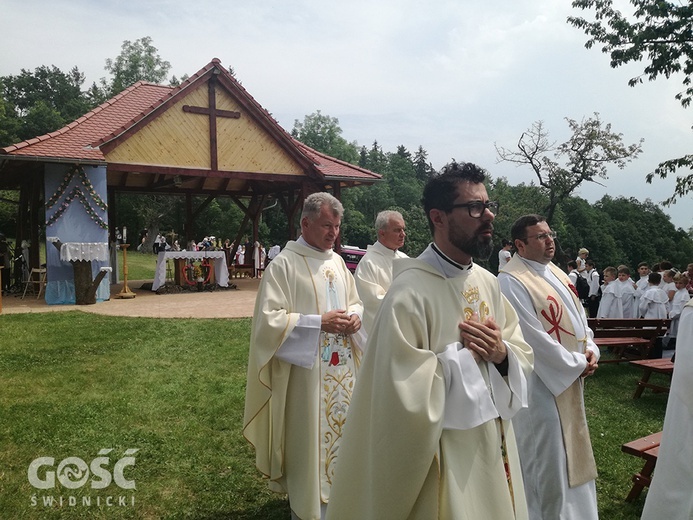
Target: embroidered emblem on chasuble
x,y
337,381
472,303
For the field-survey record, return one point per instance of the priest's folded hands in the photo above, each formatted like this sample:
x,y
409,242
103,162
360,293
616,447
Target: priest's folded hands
x,y
483,339
337,321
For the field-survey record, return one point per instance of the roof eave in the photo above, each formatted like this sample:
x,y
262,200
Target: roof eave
x,y
51,159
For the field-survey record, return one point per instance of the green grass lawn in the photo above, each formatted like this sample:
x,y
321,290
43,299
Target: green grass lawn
x,y
75,383
141,266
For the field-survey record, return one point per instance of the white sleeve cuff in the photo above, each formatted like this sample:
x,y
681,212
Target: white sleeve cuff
x,y
468,401
301,346
509,395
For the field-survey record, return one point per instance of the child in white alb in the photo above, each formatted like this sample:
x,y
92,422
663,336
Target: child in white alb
x,y
610,305
628,302
653,303
680,299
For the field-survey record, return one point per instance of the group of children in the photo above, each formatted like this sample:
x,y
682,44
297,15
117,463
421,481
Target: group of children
x,y
655,295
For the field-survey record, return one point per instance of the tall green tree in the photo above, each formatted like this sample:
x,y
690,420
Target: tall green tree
x,y
39,102
561,168
323,133
658,32
137,61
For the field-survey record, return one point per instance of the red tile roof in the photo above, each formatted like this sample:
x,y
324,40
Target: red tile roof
x,y
74,140
80,140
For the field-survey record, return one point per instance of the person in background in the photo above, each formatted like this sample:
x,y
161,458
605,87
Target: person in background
x,y
678,302
273,252
573,272
653,302
504,254
5,263
610,305
668,285
593,278
374,272
627,288
641,285
581,261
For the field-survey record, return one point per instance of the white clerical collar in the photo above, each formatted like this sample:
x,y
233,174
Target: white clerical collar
x,y
449,262
537,266
382,248
302,241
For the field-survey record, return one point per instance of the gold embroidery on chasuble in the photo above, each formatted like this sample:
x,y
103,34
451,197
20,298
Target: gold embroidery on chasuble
x,y
472,303
337,381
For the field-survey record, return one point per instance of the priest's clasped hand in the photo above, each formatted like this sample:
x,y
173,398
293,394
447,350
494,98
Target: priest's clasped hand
x,y
591,364
338,322
483,339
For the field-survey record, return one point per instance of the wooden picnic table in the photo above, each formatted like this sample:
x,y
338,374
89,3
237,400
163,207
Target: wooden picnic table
x,y
649,367
646,448
627,338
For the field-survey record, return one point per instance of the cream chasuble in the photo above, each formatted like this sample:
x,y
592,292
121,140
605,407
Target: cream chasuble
x,y
373,278
419,442
670,496
295,413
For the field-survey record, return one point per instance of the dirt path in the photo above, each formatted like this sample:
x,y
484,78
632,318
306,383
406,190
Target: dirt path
x,y
230,303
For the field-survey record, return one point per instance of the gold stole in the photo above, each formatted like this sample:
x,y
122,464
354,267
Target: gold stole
x,y
552,314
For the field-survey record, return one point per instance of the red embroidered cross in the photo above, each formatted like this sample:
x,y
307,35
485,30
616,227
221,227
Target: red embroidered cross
x,y
554,319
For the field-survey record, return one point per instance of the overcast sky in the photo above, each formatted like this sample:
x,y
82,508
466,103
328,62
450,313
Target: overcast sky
x,y
455,77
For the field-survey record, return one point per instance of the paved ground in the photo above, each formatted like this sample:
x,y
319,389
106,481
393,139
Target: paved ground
x,y
230,303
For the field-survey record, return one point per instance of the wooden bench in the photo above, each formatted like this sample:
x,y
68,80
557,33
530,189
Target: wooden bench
x,y
650,366
646,448
627,338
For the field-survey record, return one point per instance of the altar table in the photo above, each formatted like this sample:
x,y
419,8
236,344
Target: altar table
x,y
217,258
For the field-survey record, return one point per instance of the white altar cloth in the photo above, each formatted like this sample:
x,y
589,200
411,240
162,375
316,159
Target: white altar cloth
x,y
221,271
84,251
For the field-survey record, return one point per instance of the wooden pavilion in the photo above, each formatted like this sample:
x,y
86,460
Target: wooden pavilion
x,y
207,136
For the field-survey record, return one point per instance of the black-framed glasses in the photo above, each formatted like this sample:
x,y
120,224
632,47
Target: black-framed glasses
x,y
476,209
543,236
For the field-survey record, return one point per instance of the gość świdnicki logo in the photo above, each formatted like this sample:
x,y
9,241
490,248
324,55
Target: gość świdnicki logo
x,y
74,473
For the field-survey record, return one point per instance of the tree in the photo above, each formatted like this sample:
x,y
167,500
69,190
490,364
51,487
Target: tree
x,y
659,32
424,169
560,169
39,102
137,61
323,133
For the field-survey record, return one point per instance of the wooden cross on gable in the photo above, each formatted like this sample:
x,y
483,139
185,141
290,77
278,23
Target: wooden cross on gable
x,y
213,112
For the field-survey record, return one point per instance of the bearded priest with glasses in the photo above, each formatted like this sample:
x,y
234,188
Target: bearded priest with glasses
x,y
445,369
555,450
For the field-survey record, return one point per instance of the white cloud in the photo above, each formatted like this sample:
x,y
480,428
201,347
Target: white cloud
x,y
454,77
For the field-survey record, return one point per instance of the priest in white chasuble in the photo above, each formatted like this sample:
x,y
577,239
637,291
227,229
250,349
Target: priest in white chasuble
x,y
305,348
429,433
373,273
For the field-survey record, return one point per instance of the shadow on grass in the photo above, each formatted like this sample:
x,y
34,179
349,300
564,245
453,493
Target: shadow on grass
x,y
276,509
